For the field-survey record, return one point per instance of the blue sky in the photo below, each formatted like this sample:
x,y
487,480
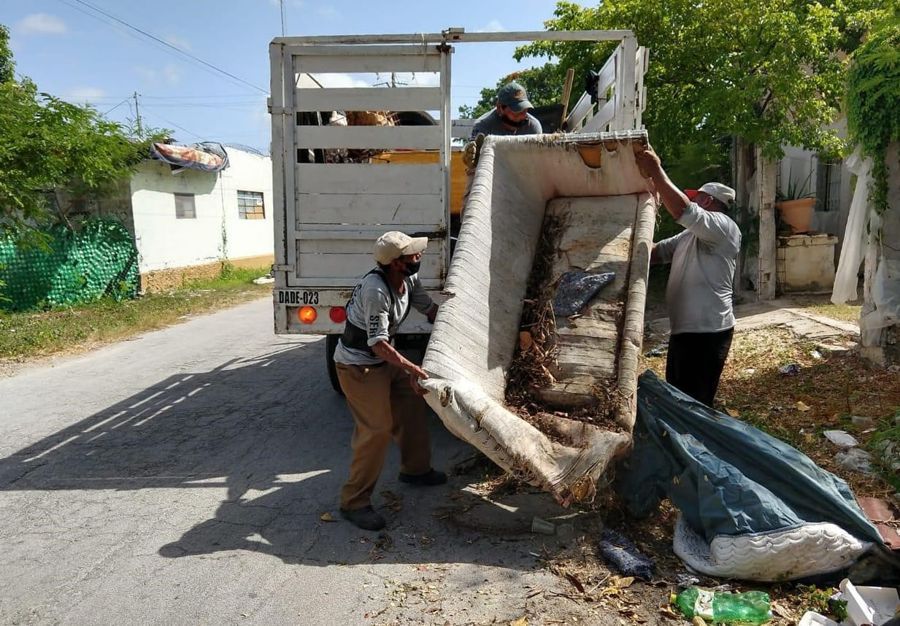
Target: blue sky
x,y
69,52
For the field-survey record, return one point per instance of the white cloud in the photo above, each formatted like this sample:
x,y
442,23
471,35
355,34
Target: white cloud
x,y
178,42
84,94
341,80
166,76
494,26
42,24
419,79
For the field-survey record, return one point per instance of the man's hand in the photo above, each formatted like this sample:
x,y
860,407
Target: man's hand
x,y
416,374
648,163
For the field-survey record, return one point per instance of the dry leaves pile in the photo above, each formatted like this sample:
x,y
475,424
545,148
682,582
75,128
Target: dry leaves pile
x,y
536,354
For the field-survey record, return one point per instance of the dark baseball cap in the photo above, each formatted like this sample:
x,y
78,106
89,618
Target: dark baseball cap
x,y
514,96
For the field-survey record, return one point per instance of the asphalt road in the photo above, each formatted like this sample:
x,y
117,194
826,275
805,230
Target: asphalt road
x,y
180,478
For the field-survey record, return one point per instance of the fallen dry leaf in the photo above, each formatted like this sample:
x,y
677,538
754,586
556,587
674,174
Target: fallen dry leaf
x,y
802,406
621,582
668,612
733,412
525,341
522,621
327,517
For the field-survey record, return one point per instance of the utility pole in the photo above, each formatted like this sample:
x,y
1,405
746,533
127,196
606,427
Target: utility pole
x,y
137,115
281,4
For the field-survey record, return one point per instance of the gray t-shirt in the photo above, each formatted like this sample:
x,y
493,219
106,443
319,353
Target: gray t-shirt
x,y
493,125
368,308
701,282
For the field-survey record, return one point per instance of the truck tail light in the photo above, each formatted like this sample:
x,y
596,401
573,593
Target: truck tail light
x,y
337,314
307,315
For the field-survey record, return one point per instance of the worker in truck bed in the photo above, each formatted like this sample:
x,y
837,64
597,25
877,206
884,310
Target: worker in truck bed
x,y
510,115
380,384
700,290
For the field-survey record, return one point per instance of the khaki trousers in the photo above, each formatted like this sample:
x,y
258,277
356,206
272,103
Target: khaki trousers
x,y
384,406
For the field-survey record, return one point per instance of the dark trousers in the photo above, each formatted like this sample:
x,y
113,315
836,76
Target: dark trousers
x,y
694,363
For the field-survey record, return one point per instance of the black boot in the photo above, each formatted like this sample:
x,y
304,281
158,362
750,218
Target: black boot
x,y
366,518
431,478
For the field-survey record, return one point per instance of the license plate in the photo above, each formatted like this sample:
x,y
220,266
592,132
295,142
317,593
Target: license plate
x,y
297,297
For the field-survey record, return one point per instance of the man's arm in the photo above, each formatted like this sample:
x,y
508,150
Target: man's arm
x,y
377,304
672,197
664,250
386,351
420,299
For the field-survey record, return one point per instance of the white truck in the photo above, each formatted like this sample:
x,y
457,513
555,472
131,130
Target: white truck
x,y
328,214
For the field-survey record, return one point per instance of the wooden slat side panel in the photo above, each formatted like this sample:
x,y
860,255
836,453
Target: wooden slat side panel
x,y
375,137
368,178
349,265
603,117
369,99
369,209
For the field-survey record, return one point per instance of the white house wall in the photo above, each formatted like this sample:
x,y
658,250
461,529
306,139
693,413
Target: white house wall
x,y
217,233
247,238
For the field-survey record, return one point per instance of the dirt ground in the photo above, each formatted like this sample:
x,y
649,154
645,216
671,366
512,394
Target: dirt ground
x,y
832,384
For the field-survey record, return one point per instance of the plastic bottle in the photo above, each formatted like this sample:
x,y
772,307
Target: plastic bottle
x,y
752,607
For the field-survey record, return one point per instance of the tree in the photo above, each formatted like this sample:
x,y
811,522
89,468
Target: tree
x,y
47,144
544,85
767,72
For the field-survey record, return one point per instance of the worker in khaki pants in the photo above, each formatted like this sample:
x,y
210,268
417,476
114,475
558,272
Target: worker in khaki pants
x,y
380,384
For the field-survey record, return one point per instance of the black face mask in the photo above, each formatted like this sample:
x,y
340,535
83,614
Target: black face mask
x,y
517,124
412,268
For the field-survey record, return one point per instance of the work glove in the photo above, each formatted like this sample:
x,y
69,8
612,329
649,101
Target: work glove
x,y
471,152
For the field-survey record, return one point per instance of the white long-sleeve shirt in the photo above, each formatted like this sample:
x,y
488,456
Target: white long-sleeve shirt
x,y
701,281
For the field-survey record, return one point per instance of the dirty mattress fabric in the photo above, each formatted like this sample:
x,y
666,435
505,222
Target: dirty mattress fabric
x,y
752,507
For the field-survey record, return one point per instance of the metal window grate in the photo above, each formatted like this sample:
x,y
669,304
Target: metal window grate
x,y
251,205
828,185
184,206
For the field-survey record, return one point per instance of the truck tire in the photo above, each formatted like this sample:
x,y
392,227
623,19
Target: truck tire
x,y
330,344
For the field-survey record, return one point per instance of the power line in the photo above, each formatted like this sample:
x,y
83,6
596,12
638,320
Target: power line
x,y
181,128
166,44
116,107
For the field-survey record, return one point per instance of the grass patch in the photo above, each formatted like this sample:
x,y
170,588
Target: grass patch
x,y
821,305
36,334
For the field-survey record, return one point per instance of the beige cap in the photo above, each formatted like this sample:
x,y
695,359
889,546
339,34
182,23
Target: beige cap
x,y
394,244
722,193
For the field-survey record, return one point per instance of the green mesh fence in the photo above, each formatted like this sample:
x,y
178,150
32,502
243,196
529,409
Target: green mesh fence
x,y
79,266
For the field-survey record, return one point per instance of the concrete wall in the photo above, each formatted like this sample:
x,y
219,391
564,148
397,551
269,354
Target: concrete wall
x,y
800,164
217,233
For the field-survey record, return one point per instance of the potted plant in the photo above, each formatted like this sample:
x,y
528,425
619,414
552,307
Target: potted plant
x,y
796,205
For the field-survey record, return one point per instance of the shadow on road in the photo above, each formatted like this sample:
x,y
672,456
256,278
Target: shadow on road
x,y
270,432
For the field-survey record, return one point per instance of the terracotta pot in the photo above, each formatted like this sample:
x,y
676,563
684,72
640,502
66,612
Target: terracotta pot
x,y
797,213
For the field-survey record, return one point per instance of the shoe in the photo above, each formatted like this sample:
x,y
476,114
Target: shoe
x,y
431,478
366,518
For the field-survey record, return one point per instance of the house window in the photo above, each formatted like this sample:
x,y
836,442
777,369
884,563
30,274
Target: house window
x,y
184,206
828,185
250,205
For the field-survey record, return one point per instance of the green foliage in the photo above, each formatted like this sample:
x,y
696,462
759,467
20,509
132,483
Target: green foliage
x,y
544,85
47,144
873,101
763,71
796,189
7,66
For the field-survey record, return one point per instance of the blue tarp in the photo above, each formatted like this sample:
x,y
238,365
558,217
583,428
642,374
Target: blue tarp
x,y
727,477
